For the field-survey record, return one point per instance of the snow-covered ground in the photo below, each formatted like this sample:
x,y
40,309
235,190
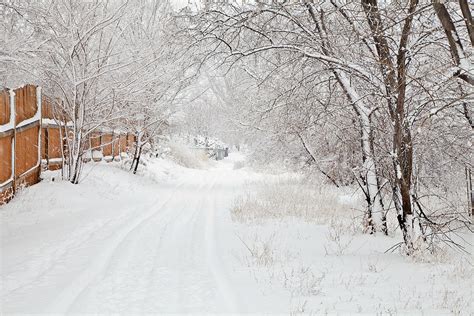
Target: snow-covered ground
x,y
165,241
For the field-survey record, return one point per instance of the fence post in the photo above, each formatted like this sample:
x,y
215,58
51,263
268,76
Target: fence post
x,y
100,142
13,119
39,109
470,193
112,139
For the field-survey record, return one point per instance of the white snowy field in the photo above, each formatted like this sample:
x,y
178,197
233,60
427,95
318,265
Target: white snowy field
x,y
167,241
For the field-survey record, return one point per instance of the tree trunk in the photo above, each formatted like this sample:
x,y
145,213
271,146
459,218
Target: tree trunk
x,y
470,193
467,14
374,213
137,161
455,45
138,152
395,83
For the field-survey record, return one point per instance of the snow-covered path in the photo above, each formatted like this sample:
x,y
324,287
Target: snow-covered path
x,y
158,248
165,242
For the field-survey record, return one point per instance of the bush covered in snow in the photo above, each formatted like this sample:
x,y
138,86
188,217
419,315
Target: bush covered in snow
x,y
201,141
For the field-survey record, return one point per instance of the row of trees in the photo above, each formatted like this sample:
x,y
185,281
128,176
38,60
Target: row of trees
x,y
368,92
371,92
107,64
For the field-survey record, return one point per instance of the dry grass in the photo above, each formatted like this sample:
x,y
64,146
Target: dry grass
x,y
187,157
290,197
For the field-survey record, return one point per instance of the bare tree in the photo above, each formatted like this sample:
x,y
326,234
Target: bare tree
x,y
381,57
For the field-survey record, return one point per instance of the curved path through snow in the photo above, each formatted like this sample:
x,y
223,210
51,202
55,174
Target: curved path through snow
x,y
159,248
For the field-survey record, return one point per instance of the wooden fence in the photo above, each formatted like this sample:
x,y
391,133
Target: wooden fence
x,y
31,140
20,135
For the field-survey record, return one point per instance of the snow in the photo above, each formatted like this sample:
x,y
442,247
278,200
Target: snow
x,y
55,160
399,172
52,122
163,241
119,243
208,142
315,272
96,154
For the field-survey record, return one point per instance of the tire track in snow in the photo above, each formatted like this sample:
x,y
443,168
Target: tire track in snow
x,y
49,260
156,254
194,255
182,300
65,248
172,245
68,296
118,259
167,222
224,289
168,246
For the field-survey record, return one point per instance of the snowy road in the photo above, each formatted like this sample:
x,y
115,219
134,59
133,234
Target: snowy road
x,y
134,248
164,242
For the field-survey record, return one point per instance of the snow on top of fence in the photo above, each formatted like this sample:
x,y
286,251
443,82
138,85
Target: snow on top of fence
x,y
35,118
11,123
